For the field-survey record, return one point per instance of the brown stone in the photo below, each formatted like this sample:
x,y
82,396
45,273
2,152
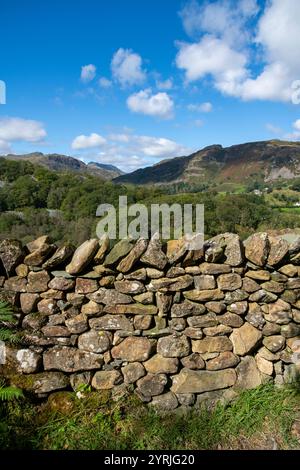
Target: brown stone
x,y
289,270
132,349
138,275
229,282
142,322
216,307
83,256
132,309
187,308
219,330
22,270
61,283
204,295
38,281
106,379
274,343
47,306
273,286
257,248
53,294
231,319
77,324
152,385
264,366
240,308
166,284
158,364
16,284
134,255
28,302
208,320
224,360
249,285
213,268
278,250
146,298
95,341
212,344
259,275
191,381
55,330
245,339
129,287
194,361
37,257
133,372
61,255
91,308
109,297
204,282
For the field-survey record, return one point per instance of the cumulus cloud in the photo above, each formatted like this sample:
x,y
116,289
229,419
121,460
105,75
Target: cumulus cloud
x,y
82,142
233,42
295,134
104,82
130,151
206,107
164,84
224,18
18,129
126,67
88,73
144,102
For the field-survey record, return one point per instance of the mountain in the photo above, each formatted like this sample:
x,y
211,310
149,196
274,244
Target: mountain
x,y
57,162
264,161
114,170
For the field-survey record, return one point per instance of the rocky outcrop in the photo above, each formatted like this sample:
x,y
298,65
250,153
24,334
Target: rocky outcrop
x,y
140,316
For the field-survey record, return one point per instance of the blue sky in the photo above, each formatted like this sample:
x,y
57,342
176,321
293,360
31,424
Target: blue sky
x,y
133,82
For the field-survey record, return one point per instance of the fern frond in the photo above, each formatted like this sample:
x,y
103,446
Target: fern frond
x,y
10,336
10,393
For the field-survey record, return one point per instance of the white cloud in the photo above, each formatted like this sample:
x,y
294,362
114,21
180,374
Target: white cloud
x,y
126,67
130,151
198,123
164,84
296,125
144,102
206,107
225,65
273,129
104,82
18,129
225,19
82,142
88,73
4,147
233,44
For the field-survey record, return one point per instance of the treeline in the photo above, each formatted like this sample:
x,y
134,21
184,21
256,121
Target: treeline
x,y
35,200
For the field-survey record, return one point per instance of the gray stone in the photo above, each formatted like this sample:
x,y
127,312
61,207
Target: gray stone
x,y
212,344
257,248
59,257
11,254
248,375
154,256
68,359
152,385
173,346
274,343
134,255
165,402
95,341
109,297
111,322
204,282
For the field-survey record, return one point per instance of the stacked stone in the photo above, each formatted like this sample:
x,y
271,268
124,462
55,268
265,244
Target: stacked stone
x,y
178,327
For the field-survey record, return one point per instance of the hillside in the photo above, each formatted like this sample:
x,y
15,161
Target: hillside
x,y
58,162
264,161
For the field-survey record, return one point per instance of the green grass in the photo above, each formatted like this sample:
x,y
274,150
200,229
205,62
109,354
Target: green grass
x,y
97,422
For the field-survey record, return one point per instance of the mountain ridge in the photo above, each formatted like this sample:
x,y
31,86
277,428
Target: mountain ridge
x,y
263,160
60,162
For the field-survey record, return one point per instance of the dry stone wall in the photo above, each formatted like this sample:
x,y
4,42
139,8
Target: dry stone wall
x,y
175,327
